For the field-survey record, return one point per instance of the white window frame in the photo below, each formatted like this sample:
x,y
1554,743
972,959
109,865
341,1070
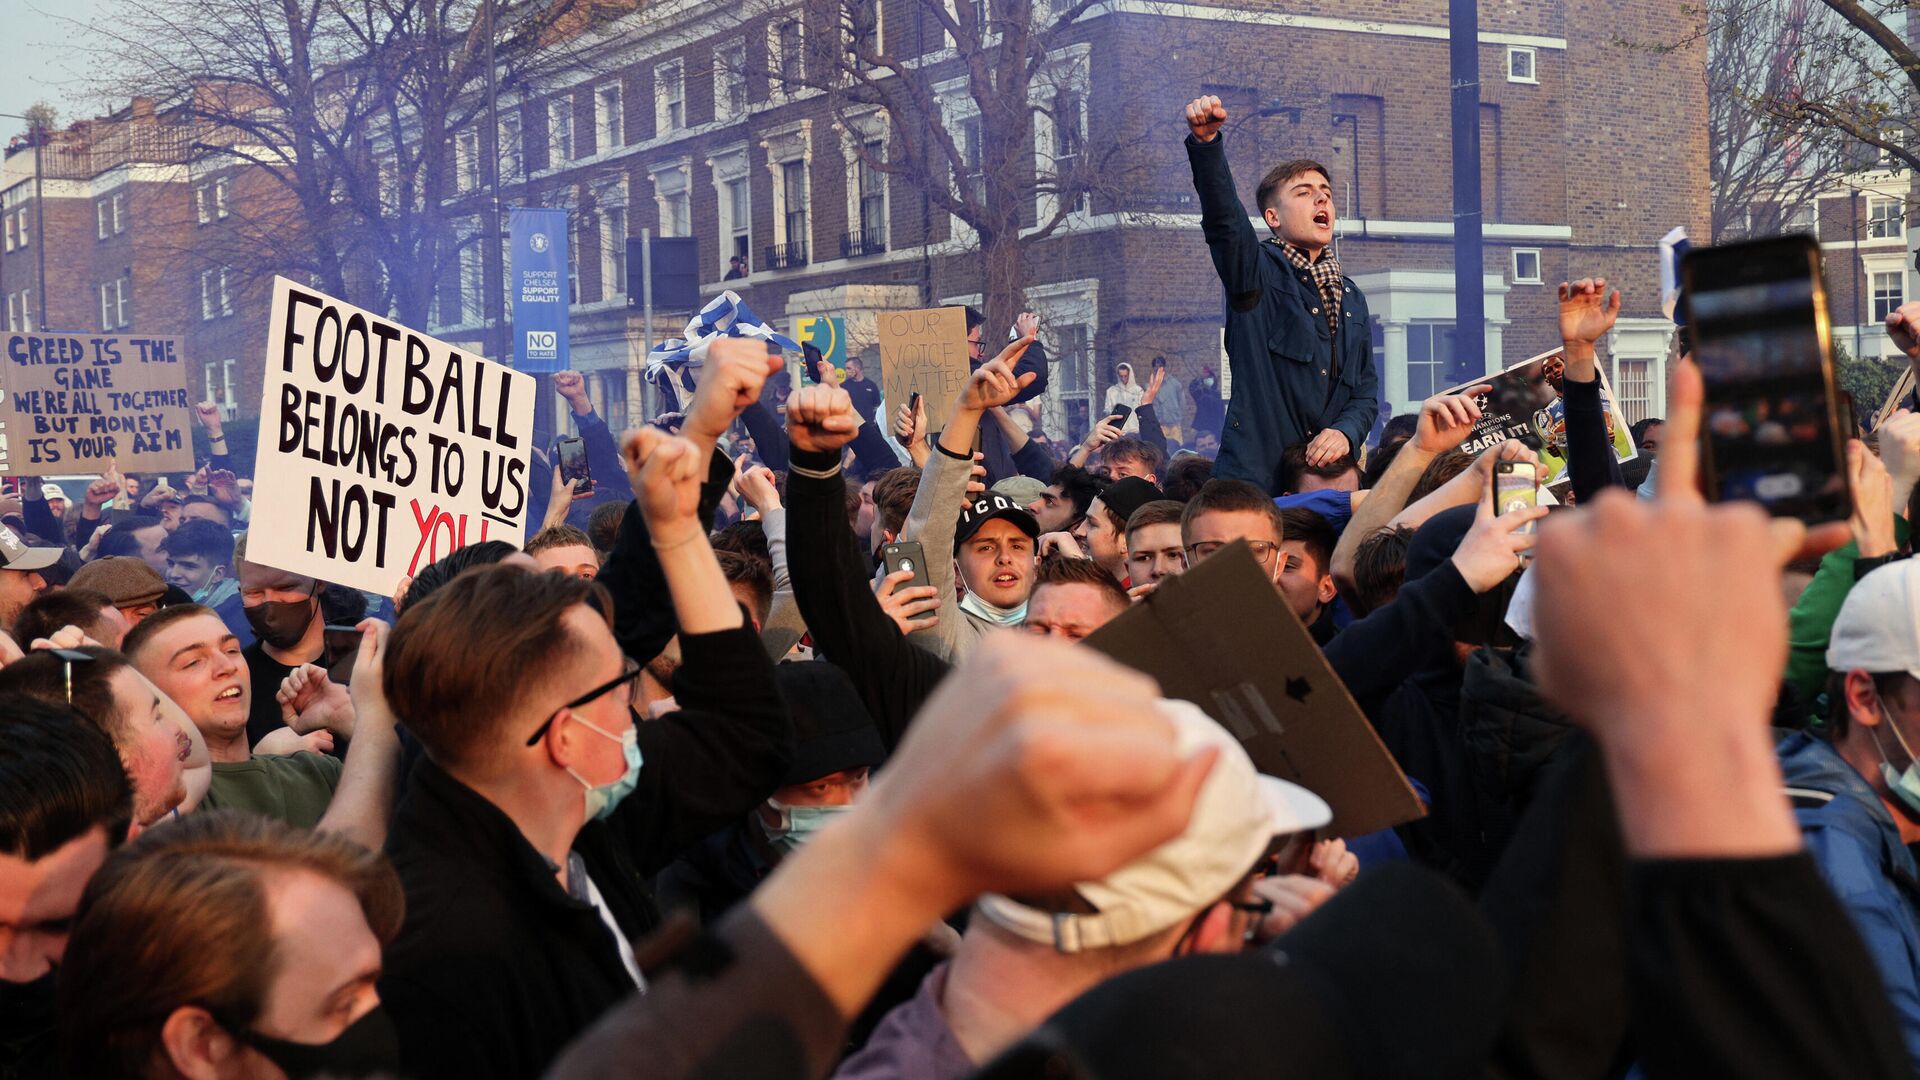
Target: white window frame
x,y
777,89
222,197
1520,278
729,71
612,208
865,130
208,310
793,142
1532,76
844,14
512,147
1874,292
106,305
221,393
669,90
575,287
102,218
472,281
466,161
609,116
1066,74
1621,385
202,204
123,300
24,237
560,118
728,166
672,184
1897,218
7,220
956,108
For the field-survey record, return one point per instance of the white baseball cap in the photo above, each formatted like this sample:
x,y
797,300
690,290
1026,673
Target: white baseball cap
x,y
51,492
1234,822
16,555
1878,628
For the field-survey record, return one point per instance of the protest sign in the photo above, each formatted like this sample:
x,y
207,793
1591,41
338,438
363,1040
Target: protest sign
x,y
73,403
540,317
1525,404
828,333
1220,636
924,352
381,449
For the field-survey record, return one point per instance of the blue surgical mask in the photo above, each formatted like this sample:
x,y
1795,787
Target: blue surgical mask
x,y
798,823
602,798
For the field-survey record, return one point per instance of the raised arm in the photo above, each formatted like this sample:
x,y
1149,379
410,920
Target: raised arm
x,y
1445,422
1587,312
1223,219
362,804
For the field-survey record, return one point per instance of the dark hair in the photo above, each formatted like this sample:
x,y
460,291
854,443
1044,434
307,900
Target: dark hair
x,y
197,537
1378,459
50,611
1079,485
1439,471
974,318
756,573
556,536
150,627
43,675
208,500
60,777
1294,468
1185,476
893,497
452,685
1379,568
1314,531
1640,427
603,525
119,539
1059,570
1278,176
1151,457
1839,722
1227,496
1399,427
1157,512
744,538
435,575
181,917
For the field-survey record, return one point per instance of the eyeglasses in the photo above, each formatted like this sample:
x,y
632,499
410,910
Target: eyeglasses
x,y
68,658
627,674
1263,550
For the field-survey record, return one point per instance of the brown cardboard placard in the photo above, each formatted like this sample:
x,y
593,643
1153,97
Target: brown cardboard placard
x,y
1220,636
75,403
924,351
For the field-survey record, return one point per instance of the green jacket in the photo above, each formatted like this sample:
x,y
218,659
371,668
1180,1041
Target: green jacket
x,y
1811,622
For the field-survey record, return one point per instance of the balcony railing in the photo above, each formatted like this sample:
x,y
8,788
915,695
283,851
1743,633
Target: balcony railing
x,y
863,242
787,256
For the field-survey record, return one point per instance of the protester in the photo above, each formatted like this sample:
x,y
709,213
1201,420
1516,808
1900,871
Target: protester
x,y
1379,568
1154,548
206,508
231,945
1072,598
1186,474
1322,389
130,584
1647,434
139,537
1306,572
1066,499
865,395
283,611
565,549
1025,956
1107,522
158,749
543,798
1124,391
83,609
20,573
1299,477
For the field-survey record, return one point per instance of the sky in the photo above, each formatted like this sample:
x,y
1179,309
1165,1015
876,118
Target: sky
x,y
36,56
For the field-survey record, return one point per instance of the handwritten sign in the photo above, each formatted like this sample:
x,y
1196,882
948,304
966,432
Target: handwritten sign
x,y
72,403
924,352
381,449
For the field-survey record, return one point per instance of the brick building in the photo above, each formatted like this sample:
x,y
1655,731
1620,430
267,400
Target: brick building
x,y
137,232
1861,223
1590,153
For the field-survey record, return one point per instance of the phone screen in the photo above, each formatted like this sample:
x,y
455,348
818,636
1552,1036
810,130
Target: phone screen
x,y
1772,429
1516,487
573,463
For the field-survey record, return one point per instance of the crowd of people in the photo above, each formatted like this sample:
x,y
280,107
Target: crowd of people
x,y
702,781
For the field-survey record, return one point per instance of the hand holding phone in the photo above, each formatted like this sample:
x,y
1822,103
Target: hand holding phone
x,y
909,556
1120,414
572,455
1516,487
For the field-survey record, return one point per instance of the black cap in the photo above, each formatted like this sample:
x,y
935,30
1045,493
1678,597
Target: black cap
x,y
1127,494
832,729
1398,975
986,507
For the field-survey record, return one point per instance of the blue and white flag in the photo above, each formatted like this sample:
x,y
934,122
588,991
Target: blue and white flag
x,y
724,316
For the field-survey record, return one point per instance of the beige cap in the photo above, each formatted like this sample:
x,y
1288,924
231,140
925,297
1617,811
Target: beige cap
x,y
1234,821
1878,628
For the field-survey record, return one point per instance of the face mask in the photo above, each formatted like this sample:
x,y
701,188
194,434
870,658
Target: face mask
x,y
798,823
369,1047
603,798
998,616
281,623
1905,785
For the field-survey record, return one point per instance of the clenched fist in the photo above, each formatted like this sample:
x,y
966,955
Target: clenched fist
x,y
1205,115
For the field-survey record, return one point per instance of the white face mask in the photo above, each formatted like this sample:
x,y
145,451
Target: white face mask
x,y
1904,784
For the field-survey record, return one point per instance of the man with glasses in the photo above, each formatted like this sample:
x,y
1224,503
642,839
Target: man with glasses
x,y
544,802
289,631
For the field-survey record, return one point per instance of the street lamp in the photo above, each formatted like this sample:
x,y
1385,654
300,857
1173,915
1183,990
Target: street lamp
x,y
38,133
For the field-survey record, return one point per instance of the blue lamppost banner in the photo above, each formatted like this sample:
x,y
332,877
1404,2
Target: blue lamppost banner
x,y
540,300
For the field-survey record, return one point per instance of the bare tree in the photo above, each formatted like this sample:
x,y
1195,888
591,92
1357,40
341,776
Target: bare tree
x,y
351,107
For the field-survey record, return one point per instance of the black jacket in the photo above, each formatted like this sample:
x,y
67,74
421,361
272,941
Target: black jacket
x,y
1286,386
497,968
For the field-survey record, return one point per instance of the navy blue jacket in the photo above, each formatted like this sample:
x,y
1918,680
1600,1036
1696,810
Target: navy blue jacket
x,y
1278,340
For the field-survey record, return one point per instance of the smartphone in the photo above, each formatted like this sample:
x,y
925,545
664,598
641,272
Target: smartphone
x,y
1516,486
572,453
913,402
907,555
1773,431
1121,411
